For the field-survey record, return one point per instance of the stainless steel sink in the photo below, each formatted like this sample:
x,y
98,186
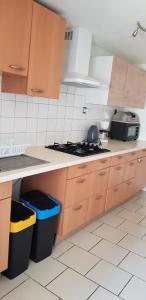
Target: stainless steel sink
x,y
19,162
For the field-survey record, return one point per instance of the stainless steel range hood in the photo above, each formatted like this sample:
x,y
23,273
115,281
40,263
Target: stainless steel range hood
x,y
77,53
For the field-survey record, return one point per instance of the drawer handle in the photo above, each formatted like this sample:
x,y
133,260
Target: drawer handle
x,y
37,91
81,181
77,208
118,168
133,153
17,68
98,197
104,161
83,167
102,173
140,160
119,157
116,190
131,164
129,182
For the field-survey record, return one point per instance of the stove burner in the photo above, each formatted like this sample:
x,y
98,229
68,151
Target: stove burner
x,y
78,149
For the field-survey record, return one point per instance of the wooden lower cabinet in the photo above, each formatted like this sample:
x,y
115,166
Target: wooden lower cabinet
x,y
129,188
96,206
115,196
74,217
140,178
130,170
5,207
116,175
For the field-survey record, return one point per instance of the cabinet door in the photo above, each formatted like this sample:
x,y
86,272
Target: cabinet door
x,y
99,182
140,178
130,170
118,79
115,196
116,175
96,206
77,190
129,188
46,52
5,206
134,88
15,30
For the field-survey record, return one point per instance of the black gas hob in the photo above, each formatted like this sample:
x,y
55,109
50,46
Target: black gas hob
x,y
78,149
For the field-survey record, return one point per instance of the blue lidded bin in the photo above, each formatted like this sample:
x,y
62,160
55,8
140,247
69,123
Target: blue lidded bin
x,y
47,214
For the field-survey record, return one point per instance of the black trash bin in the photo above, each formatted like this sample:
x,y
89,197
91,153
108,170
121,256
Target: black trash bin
x,y
47,213
21,230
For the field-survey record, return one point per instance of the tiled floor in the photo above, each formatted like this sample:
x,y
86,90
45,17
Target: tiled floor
x,y
104,261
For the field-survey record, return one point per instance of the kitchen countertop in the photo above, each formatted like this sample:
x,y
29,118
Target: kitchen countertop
x,y
57,160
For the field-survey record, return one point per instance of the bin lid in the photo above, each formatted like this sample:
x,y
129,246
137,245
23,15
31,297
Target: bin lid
x,y
22,217
44,205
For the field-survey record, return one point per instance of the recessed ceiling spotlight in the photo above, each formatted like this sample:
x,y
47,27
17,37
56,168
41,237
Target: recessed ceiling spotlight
x,y
136,31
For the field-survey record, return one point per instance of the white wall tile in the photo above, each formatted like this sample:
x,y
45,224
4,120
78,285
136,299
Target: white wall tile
x,y
20,124
43,111
7,108
32,125
32,111
21,109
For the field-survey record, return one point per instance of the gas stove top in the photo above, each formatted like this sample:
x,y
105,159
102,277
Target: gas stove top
x,y
78,149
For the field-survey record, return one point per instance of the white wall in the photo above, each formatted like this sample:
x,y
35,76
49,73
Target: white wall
x,y
37,120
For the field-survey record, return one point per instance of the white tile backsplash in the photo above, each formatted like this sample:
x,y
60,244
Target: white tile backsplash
x,y
37,120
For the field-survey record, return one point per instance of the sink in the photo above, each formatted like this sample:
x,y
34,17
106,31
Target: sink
x,y
19,162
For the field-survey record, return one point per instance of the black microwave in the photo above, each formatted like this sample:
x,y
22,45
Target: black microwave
x,y
124,131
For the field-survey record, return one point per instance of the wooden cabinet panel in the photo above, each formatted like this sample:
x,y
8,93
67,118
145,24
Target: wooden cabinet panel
x,y
5,190
114,196
99,182
129,188
74,217
78,170
77,190
5,207
141,153
118,159
140,178
46,52
116,175
100,164
118,79
15,30
96,206
130,170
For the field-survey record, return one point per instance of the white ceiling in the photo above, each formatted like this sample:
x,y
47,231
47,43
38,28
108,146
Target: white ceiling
x,y
111,21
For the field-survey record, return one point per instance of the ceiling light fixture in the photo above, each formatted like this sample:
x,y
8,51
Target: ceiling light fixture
x,y
139,27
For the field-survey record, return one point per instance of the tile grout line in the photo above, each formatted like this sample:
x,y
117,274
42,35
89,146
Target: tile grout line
x,y
15,287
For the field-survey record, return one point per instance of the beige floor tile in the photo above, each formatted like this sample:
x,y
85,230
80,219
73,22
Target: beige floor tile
x,y
116,210
84,239
135,289
79,260
109,276
111,219
109,233
141,201
102,294
72,286
92,226
133,207
143,222
45,271
30,290
61,248
134,244
131,216
133,228
135,265
142,211
7,285
110,252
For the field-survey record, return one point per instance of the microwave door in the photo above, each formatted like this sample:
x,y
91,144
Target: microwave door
x,y
132,132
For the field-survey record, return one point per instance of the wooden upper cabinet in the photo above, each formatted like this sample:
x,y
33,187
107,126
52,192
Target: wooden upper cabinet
x,y
15,30
46,52
117,84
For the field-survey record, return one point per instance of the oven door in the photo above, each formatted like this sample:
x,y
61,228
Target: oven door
x,y
132,131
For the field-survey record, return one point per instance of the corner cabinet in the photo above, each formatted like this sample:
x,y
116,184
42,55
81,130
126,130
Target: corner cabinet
x,y
46,52
126,83
42,48
15,30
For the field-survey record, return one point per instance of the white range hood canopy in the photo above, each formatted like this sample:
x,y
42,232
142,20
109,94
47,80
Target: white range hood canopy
x,y
77,53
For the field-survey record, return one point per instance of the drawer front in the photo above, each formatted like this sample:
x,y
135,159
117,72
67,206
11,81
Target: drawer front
x,y
77,190
116,175
132,155
118,159
142,153
114,196
130,169
5,190
100,164
5,207
99,181
74,217
78,170
129,188
96,206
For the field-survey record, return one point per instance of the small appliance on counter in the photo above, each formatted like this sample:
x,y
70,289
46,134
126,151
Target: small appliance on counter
x,y
103,135
93,134
125,126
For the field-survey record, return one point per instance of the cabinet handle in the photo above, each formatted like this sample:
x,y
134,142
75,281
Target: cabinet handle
x,y
129,182
102,173
140,160
37,91
116,190
98,197
17,68
118,168
133,153
83,167
77,208
131,164
81,181
103,161
119,157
